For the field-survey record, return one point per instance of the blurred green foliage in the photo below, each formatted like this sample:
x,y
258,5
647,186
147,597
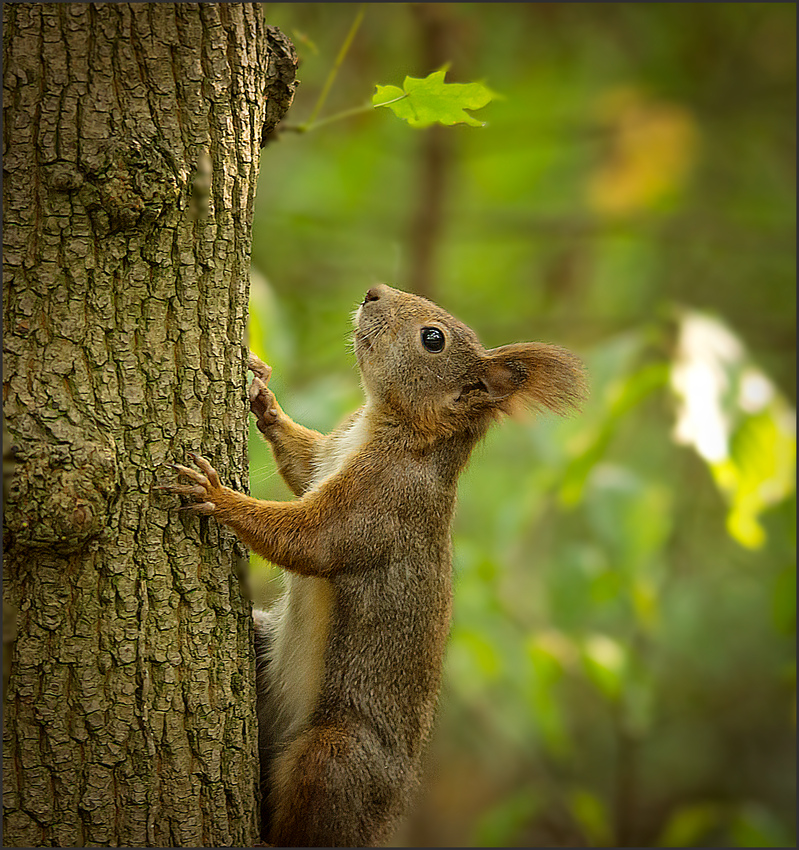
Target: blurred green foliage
x,y
621,668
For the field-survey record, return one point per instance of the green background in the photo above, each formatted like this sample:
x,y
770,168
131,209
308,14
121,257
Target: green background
x,y
621,668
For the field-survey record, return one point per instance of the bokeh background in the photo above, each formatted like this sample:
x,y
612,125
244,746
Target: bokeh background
x,y
621,668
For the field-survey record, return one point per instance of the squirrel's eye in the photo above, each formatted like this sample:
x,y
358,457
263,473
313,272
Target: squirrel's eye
x,y
433,339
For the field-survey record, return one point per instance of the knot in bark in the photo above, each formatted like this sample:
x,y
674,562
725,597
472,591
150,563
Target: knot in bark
x,y
129,183
60,498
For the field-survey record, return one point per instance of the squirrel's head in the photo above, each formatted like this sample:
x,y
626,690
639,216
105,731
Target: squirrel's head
x,y
432,371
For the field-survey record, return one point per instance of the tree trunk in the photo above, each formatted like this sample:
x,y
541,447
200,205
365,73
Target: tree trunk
x,y
131,148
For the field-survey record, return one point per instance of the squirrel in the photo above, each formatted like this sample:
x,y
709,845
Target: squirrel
x,y
349,660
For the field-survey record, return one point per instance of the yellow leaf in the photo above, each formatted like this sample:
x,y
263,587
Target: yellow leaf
x,y
653,146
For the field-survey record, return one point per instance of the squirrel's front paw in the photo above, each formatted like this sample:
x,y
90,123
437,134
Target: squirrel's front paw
x,y
203,490
262,399
263,405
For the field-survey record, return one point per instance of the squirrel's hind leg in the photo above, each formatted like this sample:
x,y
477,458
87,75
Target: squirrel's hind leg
x,y
333,787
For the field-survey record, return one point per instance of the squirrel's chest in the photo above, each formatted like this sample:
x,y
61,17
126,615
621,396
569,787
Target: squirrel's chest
x,y
339,448
302,637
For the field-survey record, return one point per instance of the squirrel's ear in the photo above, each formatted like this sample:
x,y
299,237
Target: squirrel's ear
x,y
534,373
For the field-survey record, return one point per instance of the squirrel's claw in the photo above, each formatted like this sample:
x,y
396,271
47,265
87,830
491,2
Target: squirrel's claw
x,y
262,399
195,476
206,467
206,508
262,404
201,488
259,368
184,490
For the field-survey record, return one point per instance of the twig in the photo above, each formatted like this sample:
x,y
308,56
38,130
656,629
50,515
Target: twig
x,y
337,64
338,116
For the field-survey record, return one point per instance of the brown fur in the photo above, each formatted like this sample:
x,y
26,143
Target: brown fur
x,y
370,532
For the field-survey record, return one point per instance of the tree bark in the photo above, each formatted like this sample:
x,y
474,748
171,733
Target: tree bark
x,y
131,150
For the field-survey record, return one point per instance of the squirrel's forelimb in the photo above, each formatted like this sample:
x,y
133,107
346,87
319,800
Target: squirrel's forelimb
x,y
316,535
293,445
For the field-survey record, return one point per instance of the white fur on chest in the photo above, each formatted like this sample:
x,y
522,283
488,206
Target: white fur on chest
x,y
301,636
339,448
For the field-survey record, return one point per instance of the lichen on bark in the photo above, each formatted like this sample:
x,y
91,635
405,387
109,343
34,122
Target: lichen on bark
x,y
131,150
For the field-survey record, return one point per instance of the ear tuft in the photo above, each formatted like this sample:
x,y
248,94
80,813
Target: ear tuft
x,y
535,374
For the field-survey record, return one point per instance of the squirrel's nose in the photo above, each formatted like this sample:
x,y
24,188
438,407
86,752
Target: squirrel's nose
x,y
372,294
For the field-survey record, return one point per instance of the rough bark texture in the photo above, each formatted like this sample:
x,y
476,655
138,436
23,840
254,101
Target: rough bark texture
x,y
131,148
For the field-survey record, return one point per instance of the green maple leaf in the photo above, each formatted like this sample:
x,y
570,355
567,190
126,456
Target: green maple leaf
x,y
429,100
